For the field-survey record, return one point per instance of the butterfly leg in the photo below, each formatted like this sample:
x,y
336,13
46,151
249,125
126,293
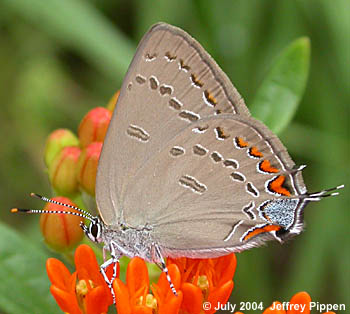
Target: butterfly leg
x,y
159,261
115,256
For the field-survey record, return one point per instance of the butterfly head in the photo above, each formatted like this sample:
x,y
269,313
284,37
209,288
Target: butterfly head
x,y
94,230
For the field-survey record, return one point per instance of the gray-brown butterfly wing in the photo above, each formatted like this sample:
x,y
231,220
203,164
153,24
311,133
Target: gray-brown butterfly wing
x,y
170,83
203,192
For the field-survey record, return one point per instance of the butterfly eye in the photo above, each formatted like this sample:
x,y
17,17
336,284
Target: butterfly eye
x,y
95,232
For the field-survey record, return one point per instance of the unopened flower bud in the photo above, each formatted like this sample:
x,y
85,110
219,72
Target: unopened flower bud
x,y
112,102
56,141
94,126
62,232
62,171
87,167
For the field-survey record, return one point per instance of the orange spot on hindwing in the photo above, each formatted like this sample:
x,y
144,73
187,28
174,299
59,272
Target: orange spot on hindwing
x,y
253,151
265,166
210,98
257,231
240,142
276,185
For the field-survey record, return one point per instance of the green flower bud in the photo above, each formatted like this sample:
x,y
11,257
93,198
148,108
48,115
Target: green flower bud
x,y
56,141
62,171
87,167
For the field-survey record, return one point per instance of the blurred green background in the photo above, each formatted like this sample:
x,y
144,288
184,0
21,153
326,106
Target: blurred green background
x,y
60,58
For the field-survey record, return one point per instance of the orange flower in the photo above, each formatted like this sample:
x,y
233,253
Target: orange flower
x,y
168,303
84,291
298,304
134,298
205,280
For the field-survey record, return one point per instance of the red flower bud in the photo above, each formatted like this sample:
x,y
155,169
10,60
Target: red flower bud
x,y
56,141
112,102
94,126
87,167
61,231
62,171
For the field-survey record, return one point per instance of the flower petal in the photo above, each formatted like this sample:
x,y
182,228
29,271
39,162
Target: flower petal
x,y
58,273
87,266
163,284
275,308
185,265
225,269
122,297
96,301
73,283
298,300
192,298
219,296
141,309
168,303
172,306
137,276
66,301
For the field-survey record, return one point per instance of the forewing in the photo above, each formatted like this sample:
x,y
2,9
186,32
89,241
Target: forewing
x,y
170,83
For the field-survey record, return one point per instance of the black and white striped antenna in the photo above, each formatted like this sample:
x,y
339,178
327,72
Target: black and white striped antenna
x,y
81,213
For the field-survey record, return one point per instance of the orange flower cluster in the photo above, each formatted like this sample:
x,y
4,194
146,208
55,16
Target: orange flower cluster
x,y
205,280
195,281
84,291
133,297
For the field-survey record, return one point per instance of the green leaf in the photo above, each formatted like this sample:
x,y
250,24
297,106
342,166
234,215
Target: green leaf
x,y
79,25
25,287
278,97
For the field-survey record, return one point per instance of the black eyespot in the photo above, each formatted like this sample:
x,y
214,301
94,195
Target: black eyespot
x,y
282,233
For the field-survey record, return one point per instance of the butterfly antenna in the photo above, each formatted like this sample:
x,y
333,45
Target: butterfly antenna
x,y
45,199
81,213
44,211
324,193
